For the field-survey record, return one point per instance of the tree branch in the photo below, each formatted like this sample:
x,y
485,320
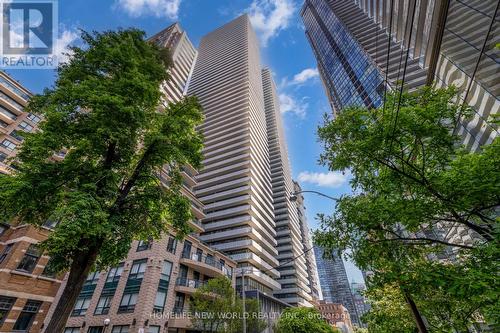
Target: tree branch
x,y
424,239
480,230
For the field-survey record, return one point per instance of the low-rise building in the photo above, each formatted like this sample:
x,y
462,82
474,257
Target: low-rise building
x,y
27,288
149,291
336,315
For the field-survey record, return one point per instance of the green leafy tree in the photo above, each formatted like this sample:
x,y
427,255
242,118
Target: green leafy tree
x,y
217,308
302,320
412,180
389,311
104,112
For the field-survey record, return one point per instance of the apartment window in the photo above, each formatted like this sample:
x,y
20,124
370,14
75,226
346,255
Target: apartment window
x,y
128,302
34,118
13,88
144,245
95,329
138,269
172,244
28,262
50,224
154,329
9,145
115,273
72,330
27,315
199,254
49,271
3,157
166,270
179,302
25,126
186,251
81,306
159,305
103,305
120,329
209,259
92,279
6,252
15,134
6,304
7,113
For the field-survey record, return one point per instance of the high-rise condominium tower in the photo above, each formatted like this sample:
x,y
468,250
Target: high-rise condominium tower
x,y
183,55
334,282
312,270
235,182
445,42
157,277
295,288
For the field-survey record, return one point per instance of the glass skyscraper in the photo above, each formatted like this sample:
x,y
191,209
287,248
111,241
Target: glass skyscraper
x,y
411,42
350,78
334,282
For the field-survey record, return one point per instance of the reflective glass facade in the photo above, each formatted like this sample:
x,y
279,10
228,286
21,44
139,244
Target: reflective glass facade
x,y
467,29
468,50
347,73
334,282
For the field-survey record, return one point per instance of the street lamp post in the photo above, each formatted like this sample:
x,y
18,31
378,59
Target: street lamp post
x,y
243,298
293,195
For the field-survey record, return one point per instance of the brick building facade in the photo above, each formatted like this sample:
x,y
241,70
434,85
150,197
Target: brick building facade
x,y
149,291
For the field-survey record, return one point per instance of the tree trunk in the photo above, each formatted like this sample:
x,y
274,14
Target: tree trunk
x,y
415,313
80,268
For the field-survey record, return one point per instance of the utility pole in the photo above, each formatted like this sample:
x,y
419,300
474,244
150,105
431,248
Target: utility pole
x,y
243,298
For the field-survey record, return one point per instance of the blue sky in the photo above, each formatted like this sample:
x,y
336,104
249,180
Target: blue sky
x,y
284,48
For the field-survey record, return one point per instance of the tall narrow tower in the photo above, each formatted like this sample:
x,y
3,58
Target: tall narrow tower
x,y
334,282
360,44
183,55
235,182
312,270
295,287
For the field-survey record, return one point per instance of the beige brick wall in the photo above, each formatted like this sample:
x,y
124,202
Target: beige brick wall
x,y
142,316
21,285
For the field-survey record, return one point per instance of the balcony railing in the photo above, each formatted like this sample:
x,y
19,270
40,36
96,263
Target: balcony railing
x,y
197,222
185,282
211,261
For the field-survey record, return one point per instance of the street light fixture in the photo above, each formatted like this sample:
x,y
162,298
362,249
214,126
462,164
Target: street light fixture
x,y
106,324
293,195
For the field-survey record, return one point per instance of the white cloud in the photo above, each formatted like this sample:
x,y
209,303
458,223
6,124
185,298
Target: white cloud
x,y
300,78
289,104
330,179
269,17
306,74
61,49
158,8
